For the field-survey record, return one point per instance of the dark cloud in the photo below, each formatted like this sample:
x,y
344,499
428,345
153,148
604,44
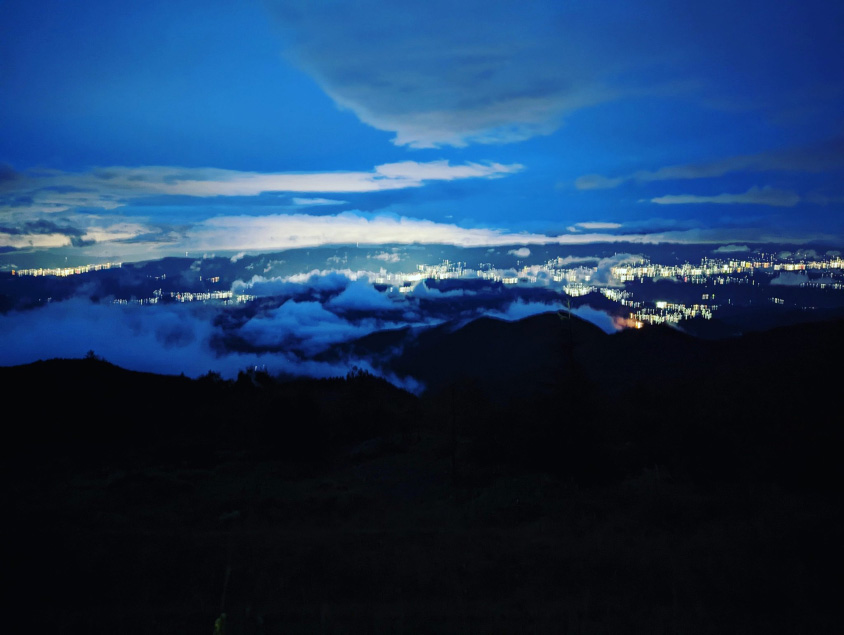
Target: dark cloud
x,y
21,201
162,235
41,227
46,228
7,173
481,71
448,73
821,157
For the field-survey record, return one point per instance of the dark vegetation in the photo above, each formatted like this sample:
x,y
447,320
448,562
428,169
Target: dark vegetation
x,y
552,479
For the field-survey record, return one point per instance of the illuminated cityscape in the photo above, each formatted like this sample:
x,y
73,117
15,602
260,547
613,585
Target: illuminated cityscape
x,y
223,297
63,272
634,290
623,284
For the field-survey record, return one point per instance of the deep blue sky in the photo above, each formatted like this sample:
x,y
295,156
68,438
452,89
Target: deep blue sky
x,y
134,130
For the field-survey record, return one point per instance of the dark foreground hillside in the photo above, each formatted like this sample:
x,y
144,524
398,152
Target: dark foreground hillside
x,y
642,482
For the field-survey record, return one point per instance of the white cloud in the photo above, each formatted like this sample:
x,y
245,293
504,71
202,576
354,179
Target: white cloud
x,y
24,241
601,319
361,296
287,231
790,279
520,309
591,226
306,325
603,273
117,231
50,194
421,290
521,252
443,171
161,339
731,249
387,256
326,281
316,202
51,191
299,230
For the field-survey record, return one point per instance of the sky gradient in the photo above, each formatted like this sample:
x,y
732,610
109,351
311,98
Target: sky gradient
x,y
134,131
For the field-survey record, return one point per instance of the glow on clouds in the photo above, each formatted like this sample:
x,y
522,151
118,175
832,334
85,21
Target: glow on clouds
x,y
42,194
108,188
301,230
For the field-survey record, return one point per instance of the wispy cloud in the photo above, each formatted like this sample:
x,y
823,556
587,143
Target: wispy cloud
x,y
315,202
108,188
28,201
287,231
820,157
753,196
822,198
592,226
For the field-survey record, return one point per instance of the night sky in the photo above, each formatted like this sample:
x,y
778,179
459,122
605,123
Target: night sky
x,y
137,130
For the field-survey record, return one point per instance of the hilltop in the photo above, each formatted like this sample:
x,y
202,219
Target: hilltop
x,y
568,480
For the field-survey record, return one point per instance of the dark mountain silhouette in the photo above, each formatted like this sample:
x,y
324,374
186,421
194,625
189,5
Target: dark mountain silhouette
x,y
552,479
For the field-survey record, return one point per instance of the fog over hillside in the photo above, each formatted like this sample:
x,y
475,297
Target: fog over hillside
x,y
300,312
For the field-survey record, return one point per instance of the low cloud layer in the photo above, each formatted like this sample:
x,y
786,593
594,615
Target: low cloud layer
x,y
603,274
267,233
274,232
790,279
169,340
183,339
296,321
